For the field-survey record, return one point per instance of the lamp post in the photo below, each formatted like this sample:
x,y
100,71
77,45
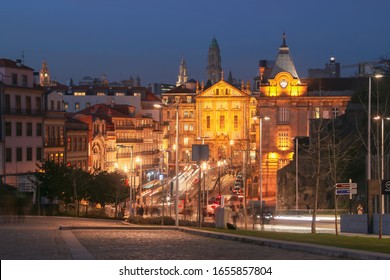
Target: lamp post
x,y
296,173
369,125
176,160
139,161
382,169
231,153
260,187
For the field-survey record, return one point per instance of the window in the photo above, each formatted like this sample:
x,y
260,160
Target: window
x,y
39,154
235,121
217,91
79,93
77,105
189,99
19,128
66,106
28,104
38,105
168,115
283,139
7,103
24,80
208,122
29,129
8,154
186,141
14,79
317,113
283,162
18,103
29,154
8,129
185,127
52,105
39,129
19,154
222,122
335,112
58,105
185,114
283,115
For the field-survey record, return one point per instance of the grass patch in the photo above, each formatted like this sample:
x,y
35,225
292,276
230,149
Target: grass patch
x,y
370,244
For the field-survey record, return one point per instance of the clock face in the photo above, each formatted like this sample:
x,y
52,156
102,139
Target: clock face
x,y
283,83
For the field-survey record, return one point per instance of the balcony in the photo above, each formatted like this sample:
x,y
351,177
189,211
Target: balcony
x,y
129,140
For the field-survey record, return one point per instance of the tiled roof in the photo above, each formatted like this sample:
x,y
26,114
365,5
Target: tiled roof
x,y
8,63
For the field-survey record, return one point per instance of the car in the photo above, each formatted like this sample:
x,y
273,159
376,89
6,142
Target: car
x,y
210,209
237,190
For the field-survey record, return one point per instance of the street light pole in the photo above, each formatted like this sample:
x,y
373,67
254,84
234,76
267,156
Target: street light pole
x,y
369,132
296,175
260,187
176,162
131,182
177,167
231,153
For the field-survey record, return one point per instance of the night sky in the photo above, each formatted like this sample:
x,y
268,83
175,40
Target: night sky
x,y
123,38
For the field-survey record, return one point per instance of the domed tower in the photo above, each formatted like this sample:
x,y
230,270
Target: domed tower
x,y
214,67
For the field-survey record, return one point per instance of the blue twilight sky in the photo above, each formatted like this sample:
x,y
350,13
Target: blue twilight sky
x,y
123,38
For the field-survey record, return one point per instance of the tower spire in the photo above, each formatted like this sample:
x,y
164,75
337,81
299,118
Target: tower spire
x,y
214,67
182,78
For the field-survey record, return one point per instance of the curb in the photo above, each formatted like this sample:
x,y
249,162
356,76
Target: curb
x,y
304,247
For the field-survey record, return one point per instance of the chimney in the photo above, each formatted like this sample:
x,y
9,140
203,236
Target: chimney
x,y
18,62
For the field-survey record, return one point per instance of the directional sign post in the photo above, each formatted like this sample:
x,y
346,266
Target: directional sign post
x,y
346,189
346,186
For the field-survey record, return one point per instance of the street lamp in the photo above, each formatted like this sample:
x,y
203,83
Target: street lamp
x,y
231,153
176,160
382,177
260,187
369,126
296,173
139,161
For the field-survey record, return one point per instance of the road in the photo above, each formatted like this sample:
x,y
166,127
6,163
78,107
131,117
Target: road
x,y
39,238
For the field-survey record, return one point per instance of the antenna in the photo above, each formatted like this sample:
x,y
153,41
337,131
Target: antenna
x,y
22,57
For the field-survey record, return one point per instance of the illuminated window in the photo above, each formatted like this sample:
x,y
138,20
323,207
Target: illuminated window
x,y
335,112
222,122
283,163
283,139
185,126
66,106
100,94
186,139
317,113
189,99
77,106
79,93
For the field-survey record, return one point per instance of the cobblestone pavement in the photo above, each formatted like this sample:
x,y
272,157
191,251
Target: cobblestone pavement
x,y
172,244
40,238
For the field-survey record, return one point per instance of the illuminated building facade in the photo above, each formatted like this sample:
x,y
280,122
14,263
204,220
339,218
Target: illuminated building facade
x,y
222,116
